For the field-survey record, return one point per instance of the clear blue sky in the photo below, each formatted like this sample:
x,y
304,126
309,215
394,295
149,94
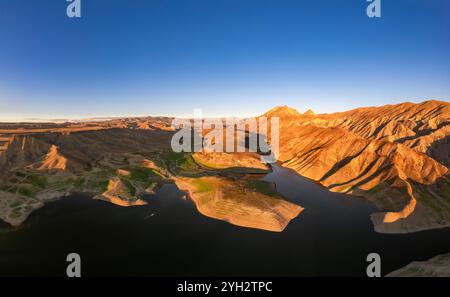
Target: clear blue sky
x,y
235,57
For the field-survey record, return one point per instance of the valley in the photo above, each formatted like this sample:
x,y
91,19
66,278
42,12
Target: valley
x,y
393,156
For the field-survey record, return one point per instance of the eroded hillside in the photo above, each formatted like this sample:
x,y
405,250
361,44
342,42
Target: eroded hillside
x,y
119,164
396,156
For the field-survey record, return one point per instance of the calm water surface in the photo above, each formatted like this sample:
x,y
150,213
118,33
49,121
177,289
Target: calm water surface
x,y
168,237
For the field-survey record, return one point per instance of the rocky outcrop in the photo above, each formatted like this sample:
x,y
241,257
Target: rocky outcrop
x,y
53,160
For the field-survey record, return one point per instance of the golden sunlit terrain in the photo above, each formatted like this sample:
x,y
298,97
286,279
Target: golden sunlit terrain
x,y
395,156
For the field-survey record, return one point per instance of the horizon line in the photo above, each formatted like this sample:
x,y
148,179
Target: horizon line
x,y
74,118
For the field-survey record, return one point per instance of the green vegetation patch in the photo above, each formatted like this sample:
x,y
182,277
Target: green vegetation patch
x,y
173,156
178,162
129,187
26,191
36,180
103,185
188,164
202,186
79,182
98,185
142,174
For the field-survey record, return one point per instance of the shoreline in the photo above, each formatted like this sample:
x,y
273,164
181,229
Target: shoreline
x,y
378,225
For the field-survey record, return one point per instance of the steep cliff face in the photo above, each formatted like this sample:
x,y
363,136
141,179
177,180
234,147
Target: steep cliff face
x,y
383,153
423,127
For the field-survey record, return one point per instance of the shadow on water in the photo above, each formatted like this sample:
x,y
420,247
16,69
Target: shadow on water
x,y
168,236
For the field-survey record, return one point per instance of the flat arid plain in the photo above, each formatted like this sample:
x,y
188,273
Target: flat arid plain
x,y
393,159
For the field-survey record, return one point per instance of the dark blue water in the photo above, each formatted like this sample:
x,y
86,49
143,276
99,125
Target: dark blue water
x,y
168,237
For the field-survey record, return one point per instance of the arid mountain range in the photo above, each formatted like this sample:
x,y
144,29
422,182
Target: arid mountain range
x,y
396,156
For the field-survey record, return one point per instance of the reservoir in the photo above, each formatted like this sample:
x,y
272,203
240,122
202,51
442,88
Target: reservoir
x,y
168,237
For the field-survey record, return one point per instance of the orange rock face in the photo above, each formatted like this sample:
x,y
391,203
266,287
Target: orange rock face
x,y
382,153
53,160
